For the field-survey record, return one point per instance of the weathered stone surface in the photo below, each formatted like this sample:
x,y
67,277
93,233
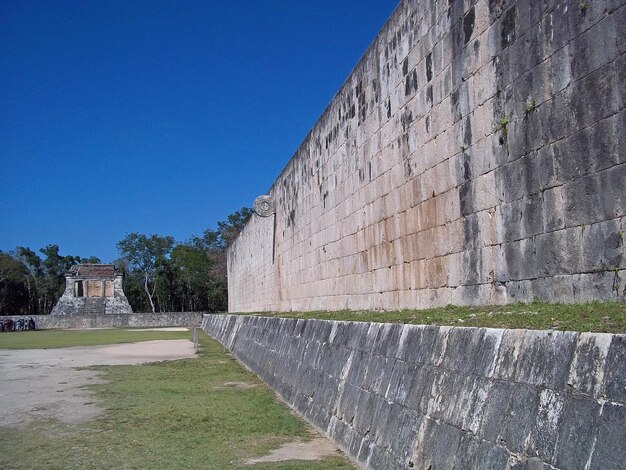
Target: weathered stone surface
x,y
615,370
410,396
93,289
474,155
609,450
51,322
577,432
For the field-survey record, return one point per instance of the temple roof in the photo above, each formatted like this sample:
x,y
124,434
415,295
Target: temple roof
x,y
99,271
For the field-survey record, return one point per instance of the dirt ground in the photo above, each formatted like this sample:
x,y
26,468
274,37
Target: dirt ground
x,y
315,449
165,328
43,384
49,384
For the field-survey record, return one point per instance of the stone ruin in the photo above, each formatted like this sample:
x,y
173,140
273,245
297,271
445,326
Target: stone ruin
x,y
476,154
93,289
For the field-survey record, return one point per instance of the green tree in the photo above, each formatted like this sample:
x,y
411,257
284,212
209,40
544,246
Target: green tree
x,y
163,275
144,255
214,243
166,286
193,266
40,280
133,287
229,229
14,298
33,278
54,267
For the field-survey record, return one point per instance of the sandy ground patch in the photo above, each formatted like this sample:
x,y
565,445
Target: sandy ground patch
x,y
235,385
315,449
42,384
161,328
164,328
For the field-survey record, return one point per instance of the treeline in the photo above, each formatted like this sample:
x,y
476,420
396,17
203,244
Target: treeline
x,y
32,284
160,274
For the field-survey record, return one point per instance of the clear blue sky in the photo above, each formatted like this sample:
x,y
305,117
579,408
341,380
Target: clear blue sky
x,y
159,116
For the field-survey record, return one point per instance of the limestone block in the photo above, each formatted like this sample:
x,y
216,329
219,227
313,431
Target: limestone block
x,y
608,450
580,415
435,141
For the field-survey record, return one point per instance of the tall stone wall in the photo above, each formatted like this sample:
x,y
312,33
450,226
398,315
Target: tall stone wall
x,y
398,396
474,155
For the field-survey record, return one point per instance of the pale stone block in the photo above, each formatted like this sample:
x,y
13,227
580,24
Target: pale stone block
x,y
482,120
444,178
427,215
481,20
410,247
392,203
485,192
483,85
397,175
412,225
406,196
449,209
427,185
440,240
388,131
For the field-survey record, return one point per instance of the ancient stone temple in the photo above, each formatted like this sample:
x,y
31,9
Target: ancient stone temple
x,y
92,289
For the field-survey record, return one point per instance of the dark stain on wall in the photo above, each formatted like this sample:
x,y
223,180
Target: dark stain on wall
x,y
507,33
468,24
410,84
462,31
467,134
538,176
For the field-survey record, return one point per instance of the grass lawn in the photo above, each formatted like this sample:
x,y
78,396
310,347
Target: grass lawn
x,y
607,317
46,339
167,415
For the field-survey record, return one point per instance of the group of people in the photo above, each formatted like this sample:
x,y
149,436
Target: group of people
x,y
21,324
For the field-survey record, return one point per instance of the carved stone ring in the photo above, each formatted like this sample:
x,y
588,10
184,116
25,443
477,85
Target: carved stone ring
x,y
264,206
